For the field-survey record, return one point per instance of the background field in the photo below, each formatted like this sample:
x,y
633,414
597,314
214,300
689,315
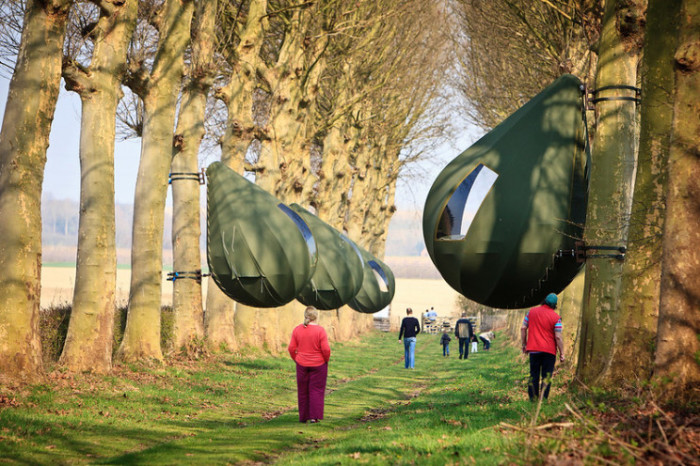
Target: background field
x,y
417,293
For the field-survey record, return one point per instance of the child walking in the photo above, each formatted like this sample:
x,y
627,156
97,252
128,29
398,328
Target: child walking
x,y
445,340
475,344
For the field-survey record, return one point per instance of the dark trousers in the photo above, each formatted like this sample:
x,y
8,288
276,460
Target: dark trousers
x,y
541,369
464,347
487,343
311,391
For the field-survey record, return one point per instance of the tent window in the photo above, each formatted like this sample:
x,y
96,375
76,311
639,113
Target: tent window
x,y
464,203
380,276
303,228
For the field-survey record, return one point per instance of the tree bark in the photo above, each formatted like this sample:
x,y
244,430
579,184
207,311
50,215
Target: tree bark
x,y
610,189
632,351
24,138
142,334
188,328
219,319
88,345
335,178
678,345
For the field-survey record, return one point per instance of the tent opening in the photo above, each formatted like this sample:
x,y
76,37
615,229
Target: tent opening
x,y
380,276
464,203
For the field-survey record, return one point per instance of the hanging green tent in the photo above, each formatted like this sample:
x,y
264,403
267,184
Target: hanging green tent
x,y
501,219
338,276
260,252
378,285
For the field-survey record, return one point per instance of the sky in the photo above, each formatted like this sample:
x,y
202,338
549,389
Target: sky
x,y
62,171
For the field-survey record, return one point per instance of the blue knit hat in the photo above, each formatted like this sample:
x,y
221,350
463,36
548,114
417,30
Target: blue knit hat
x,y
551,300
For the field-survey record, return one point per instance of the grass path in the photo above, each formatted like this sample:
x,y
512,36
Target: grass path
x,y
241,409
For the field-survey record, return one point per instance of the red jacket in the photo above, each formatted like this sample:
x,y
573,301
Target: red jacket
x,y
542,323
309,346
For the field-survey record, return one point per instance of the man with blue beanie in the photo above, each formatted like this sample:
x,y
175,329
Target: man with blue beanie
x,y
541,338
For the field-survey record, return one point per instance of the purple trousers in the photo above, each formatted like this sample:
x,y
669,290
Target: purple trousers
x,y
311,391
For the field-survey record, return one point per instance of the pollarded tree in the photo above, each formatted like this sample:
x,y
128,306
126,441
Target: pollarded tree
x,y
611,182
292,81
24,139
107,28
678,345
188,326
375,109
403,117
632,353
357,72
158,85
241,35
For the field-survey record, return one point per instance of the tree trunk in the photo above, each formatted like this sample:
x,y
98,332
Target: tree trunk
x,y
678,345
357,203
335,179
287,117
188,329
142,334
632,351
219,319
569,308
240,132
610,190
88,345
24,138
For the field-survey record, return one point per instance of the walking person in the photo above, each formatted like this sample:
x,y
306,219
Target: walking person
x,y
445,341
410,327
541,337
310,350
464,331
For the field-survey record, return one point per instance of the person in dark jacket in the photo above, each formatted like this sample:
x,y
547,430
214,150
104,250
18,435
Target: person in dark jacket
x,y
541,338
445,341
464,331
410,327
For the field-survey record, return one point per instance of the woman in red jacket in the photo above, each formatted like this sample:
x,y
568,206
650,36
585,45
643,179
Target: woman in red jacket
x,y
310,350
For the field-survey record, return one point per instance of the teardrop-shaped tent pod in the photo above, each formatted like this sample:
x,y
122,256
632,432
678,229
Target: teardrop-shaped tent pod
x,y
378,285
260,252
338,276
498,214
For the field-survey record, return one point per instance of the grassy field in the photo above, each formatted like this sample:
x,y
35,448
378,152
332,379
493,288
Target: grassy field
x,y
241,409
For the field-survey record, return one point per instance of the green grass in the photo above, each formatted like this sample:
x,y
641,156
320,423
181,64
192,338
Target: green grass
x,y
241,408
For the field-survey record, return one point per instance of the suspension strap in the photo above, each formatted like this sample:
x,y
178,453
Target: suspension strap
x,y
580,252
592,95
195,176
193,275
